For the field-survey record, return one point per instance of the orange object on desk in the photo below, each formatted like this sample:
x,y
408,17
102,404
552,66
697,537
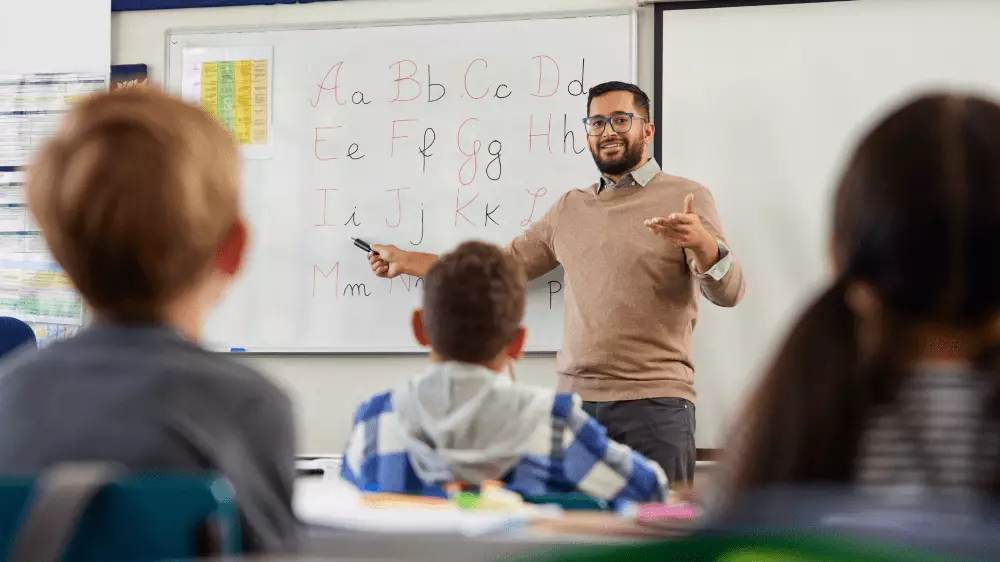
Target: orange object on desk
x,y
380,500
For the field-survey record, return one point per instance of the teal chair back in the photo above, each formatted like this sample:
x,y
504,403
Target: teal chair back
x,y
137,518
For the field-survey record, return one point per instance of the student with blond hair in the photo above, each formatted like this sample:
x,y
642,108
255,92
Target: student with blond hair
x,y
463,421
137,196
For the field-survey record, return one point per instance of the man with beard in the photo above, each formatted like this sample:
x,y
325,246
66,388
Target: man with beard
x,y
636,248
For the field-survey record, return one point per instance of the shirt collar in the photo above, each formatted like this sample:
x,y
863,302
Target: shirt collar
x,y
641,175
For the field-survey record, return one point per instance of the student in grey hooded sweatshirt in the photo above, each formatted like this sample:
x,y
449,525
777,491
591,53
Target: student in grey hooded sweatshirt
x,y
463,420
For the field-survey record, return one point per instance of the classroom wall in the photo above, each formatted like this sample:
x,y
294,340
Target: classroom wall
x,y
33,41
325,389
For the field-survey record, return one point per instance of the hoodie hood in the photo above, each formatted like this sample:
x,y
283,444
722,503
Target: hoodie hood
x,y
466,423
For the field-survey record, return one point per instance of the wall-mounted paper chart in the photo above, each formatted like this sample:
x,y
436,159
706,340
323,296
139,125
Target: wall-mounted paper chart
x,y
233,85
11,187
46,334
31,106
37,291
32,286
235,93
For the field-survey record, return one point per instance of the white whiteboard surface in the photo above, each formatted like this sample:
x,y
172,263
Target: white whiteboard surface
x,y
300,291
763,105
55,36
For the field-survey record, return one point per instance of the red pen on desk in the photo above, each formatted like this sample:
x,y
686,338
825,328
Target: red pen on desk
x,y
658,512
661,511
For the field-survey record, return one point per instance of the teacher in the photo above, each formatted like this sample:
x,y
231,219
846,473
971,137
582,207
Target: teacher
x,y
636,247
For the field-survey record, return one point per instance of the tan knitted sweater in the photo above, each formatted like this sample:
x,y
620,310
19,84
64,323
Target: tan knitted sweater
x,y
631,297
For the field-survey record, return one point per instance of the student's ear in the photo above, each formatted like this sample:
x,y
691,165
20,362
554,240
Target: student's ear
x,y
868,311
417,322
229,253
864,301
516,346
648,132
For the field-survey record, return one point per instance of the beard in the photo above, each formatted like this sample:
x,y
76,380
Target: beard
x,y
629,159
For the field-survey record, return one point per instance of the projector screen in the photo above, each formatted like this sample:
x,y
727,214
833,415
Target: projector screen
x,y
762,105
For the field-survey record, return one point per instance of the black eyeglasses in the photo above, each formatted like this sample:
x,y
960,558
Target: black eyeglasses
x,y
621,123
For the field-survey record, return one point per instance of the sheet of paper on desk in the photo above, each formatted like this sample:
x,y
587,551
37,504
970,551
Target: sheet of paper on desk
x,y
336,504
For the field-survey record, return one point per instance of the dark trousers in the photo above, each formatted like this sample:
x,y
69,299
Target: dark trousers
x,y
660,429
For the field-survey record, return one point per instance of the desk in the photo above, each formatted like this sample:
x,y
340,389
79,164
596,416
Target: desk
x,y
574,528
353,545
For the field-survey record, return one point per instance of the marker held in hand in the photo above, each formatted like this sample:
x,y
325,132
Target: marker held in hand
x,y
362,244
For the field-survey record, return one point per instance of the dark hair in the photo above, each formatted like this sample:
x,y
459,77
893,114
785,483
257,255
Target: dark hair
x,y
640,97
473,302
916,219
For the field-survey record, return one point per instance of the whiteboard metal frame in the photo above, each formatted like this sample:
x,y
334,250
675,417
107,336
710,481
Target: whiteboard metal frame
x,y
633,14
171,41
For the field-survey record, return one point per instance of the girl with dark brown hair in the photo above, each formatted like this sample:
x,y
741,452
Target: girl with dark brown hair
x,y
889,379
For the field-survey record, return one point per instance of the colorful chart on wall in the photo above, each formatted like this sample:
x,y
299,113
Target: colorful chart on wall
x,y
233,85
33,288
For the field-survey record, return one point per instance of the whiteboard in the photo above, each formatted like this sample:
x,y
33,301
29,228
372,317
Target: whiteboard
x,y
354,111
763,105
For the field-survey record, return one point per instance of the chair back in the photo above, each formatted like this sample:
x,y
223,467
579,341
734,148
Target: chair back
x,y
15,334
83,513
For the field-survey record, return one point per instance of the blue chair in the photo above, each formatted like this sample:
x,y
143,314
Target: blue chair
x,y
14,334
135,518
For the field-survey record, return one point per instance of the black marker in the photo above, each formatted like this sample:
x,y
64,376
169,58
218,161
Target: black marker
x,y
362,244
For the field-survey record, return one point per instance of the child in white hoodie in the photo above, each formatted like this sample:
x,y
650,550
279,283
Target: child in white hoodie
x,y
463,420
